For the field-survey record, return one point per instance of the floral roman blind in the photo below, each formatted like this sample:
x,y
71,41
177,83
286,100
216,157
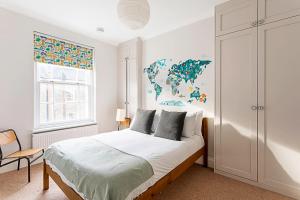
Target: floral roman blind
x,y
54,51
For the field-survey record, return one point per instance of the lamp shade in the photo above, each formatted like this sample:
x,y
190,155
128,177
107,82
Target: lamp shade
x,y
120,115
134,13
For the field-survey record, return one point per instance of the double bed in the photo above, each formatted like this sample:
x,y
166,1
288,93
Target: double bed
x,y
168,159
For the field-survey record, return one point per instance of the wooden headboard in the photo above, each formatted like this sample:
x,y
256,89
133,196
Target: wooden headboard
x,y
204,130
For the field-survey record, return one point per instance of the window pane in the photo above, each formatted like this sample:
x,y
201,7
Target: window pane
x,y
45,71
83,93
65,94
84,76
43,113
46,93
62,73
57,73
58,93
71,111
69,74
46,113
81,77
69,93
43,92
83,110
59,112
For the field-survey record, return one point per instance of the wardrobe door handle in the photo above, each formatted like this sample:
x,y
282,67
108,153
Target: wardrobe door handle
x,y
260,107
257,107
253,107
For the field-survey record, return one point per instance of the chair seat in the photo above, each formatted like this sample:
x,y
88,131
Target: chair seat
x,y
24,153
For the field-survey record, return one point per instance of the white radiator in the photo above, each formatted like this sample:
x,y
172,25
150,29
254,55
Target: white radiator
x,y
43,140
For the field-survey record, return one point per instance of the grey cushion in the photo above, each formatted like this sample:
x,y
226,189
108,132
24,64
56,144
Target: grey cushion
x,y
170,125
143,121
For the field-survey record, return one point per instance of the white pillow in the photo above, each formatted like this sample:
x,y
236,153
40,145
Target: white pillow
x,y
155,121
198,127
189,125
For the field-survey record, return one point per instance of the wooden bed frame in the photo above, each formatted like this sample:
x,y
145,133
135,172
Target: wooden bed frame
x,y
150,192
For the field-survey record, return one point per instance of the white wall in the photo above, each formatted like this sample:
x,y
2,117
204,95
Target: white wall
x,y
195,41
17,74
131,49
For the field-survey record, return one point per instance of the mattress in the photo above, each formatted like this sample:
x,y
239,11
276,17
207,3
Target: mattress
x,y
164,155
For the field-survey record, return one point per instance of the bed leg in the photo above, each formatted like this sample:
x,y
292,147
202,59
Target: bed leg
x,y
205,160
45,177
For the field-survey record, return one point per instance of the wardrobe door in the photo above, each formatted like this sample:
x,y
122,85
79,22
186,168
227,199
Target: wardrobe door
x,y
274,10
279,122
236,100
235,15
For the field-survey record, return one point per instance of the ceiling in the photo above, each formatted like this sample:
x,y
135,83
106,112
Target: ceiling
x,y
83,16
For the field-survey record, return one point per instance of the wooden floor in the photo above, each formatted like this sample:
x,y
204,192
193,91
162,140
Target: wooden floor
x,y
196,184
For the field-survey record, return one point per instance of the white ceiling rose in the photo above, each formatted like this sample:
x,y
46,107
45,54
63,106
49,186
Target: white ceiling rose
x,y
135,14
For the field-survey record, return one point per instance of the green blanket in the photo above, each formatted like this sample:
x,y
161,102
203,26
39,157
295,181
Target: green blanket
x,y
98,171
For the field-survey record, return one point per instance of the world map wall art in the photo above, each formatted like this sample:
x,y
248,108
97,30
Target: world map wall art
x,y
176,83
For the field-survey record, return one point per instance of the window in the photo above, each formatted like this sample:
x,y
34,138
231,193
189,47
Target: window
x,y
64,95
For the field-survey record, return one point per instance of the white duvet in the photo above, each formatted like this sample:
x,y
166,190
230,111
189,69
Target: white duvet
x,y
163,154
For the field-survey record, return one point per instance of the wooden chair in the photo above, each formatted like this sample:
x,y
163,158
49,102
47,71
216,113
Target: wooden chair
x,y
9,136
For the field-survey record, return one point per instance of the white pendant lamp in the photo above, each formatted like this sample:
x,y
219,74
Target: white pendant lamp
x,y
134,14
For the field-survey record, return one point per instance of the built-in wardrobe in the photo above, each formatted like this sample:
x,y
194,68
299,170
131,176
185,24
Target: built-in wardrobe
x,y
257,113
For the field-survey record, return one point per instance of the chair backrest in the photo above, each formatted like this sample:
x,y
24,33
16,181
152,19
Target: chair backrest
x,y
7,137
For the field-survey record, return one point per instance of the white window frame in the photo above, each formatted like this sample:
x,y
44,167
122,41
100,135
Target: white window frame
x,y
38,127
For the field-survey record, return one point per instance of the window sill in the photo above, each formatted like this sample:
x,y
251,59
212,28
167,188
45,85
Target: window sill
x,y
57,128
